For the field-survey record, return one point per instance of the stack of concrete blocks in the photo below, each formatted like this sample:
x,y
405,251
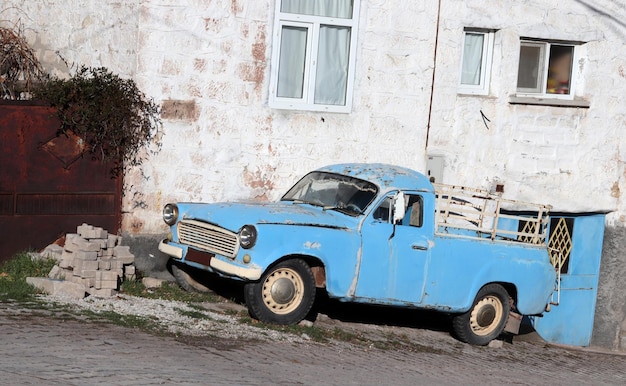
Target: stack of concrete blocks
x,y
95,259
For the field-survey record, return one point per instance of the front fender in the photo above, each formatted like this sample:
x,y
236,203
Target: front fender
x,y
335,248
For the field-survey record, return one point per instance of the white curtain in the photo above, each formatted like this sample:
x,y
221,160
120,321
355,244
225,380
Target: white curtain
x,y
327,8
331,58
291,64
472,59
332,66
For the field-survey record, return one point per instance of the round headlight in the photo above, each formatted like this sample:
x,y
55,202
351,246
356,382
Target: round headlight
x,y
170,214
247,236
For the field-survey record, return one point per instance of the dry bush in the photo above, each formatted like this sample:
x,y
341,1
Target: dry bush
x,y
19,67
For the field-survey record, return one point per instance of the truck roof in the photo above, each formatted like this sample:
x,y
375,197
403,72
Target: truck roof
x,y
387,177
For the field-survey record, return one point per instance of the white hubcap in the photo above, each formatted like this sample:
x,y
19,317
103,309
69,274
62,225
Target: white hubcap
x,y
283,291
486,315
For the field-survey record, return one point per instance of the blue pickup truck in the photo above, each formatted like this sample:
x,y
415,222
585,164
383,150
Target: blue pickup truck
x,y
376,234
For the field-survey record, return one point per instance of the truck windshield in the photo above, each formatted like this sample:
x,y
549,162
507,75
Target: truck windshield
x,y
333,191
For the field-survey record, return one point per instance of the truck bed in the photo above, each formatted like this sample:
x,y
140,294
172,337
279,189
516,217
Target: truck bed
x,y
478,214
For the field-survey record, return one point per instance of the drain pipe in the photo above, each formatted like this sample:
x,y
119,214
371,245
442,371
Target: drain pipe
x,y
432,84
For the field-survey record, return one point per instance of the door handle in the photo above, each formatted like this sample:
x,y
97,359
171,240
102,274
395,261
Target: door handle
x,y
419,247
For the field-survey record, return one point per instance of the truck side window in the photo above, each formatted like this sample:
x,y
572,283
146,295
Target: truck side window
x,y
383,212
414,213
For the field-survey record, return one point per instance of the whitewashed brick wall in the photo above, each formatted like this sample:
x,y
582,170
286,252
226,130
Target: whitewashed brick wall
x,y
214,56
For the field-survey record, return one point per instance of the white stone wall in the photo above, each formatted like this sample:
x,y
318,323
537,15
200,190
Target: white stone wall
x,y
226,143
571,158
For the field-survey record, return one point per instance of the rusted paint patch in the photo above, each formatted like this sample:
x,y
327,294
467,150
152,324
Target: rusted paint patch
x,y
615,191
319,273
235,7
199,64
258,180
67,147
132,224
255,71
179,110
211,24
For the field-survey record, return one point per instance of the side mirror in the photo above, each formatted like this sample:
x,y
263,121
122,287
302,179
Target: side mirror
x,y
399,207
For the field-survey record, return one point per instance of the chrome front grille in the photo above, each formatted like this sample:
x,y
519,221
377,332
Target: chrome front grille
x,y
208,237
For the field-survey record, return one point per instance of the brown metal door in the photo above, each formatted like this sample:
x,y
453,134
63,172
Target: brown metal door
x,y
48,186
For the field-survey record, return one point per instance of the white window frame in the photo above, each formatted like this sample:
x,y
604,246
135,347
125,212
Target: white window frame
x,y
540,91
312,24
482,88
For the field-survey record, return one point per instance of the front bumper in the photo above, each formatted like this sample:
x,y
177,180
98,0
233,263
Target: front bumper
x,y
218,263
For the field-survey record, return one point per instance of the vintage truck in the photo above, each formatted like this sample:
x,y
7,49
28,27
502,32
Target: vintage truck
x,y
377,234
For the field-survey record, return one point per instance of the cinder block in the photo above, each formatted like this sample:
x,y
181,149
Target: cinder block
x,y
57,287
84,265
127,260
88,246
83,229
53,251
77,264
90,232
89,273
117,263
66,259
106,253
107,275
107,284
130,272
102,292
85,283
113,241
56,273
67,272
86,255
122,251
151,282
70,246
104,265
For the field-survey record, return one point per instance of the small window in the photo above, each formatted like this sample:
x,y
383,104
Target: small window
x,y
545,69
413,215
313,55
476,62
414,212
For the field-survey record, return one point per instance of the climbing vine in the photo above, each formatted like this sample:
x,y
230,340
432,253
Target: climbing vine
x,y
114,118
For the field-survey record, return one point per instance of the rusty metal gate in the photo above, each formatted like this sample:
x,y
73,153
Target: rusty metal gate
x,y
48,185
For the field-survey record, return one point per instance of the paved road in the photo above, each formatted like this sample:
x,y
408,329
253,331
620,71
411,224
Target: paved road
x,y
41,350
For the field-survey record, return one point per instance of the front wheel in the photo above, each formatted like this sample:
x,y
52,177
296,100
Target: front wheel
x,y
487,318
284,295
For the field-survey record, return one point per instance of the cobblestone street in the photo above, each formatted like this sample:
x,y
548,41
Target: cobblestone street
x,y
40,349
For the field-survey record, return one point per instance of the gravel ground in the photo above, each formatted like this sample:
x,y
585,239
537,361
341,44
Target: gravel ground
x,y
210,319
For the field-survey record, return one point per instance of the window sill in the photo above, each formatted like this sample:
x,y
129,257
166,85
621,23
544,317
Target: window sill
x,y
515,100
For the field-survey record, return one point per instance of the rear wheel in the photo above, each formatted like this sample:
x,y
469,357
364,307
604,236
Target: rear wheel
x,y
184,276
284,295
487,318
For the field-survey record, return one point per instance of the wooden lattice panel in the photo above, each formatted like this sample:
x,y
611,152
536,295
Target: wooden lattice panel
x,y
560,244
531,234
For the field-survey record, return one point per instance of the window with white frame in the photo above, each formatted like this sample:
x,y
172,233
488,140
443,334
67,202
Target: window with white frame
x,y
546,69
476,61
313,55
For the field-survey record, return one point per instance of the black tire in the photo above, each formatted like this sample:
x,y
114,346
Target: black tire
x,y
487,318
184,276
284,295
